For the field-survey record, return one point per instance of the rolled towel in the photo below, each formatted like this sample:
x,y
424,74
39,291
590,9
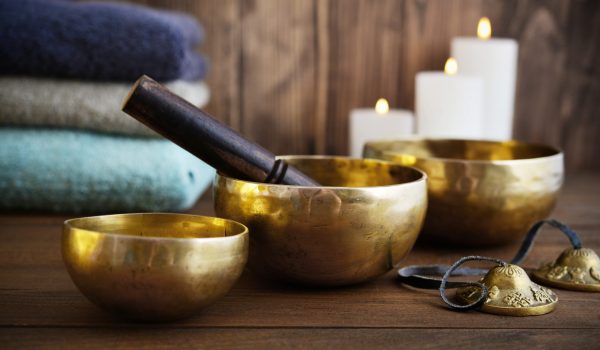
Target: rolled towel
x,y
73,171
98,41
80,104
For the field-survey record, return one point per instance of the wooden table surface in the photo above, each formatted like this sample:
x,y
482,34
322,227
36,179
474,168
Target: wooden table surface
x,y
41,308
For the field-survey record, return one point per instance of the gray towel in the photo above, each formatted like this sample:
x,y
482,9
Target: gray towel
x,y
80,104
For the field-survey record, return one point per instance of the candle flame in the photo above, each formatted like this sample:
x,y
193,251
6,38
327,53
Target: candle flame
x,y
484,28
451,66
382,106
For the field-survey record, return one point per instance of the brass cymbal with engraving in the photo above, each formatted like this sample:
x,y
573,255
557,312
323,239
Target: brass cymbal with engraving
x,y
510,292
574,269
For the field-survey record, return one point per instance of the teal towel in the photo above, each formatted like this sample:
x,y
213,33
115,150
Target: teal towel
x,y
75,171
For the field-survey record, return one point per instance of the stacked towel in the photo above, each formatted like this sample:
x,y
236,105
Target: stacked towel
x,y
67,171
80,104
65,145
98,41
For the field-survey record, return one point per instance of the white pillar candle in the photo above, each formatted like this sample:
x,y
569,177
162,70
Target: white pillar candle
x,y
495,60
448,105
367,124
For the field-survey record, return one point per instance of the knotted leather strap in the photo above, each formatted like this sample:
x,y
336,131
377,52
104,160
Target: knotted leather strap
x,y
484,291
419,275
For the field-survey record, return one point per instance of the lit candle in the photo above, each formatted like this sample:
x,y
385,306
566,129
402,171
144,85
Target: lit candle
x,y
448,105
381,123
495,60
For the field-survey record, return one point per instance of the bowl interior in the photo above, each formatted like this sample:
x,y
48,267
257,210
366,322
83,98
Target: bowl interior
x,y
348,172
465,149
158,225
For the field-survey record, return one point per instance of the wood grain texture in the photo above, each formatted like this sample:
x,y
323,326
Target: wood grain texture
x,y
252,338
559,76
41,308
286,73
428,28
278,70
221,21
43,296
363,52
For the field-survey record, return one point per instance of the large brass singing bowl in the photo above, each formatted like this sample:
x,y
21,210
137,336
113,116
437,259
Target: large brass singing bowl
x,y
358,225
156,267
480,192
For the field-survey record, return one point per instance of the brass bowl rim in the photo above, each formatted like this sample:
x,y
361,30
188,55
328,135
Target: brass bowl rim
x,y
423,177
71,224
557,151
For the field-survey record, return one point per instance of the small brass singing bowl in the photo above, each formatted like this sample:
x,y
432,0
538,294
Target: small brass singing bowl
x,y
154,267
480,192
358,225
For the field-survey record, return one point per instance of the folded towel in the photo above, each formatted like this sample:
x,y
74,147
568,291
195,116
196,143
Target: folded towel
x,y
70,171
78,104
98,41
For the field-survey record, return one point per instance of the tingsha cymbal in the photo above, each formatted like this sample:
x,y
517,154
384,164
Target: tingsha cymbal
x,y
575,269
509,292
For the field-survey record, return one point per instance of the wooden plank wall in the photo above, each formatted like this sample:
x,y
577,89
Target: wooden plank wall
x,y
287,72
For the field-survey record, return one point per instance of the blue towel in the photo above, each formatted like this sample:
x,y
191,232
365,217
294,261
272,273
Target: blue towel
x,y
75,171
97,41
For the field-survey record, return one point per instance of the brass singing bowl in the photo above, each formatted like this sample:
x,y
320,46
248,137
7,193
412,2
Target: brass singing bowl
x,y
480,192
358,225
156,267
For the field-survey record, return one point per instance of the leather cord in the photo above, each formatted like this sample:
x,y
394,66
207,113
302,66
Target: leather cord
x,y
532,234
418,276
481,286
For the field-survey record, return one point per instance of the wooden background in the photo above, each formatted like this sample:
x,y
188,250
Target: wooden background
x,y
287,72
